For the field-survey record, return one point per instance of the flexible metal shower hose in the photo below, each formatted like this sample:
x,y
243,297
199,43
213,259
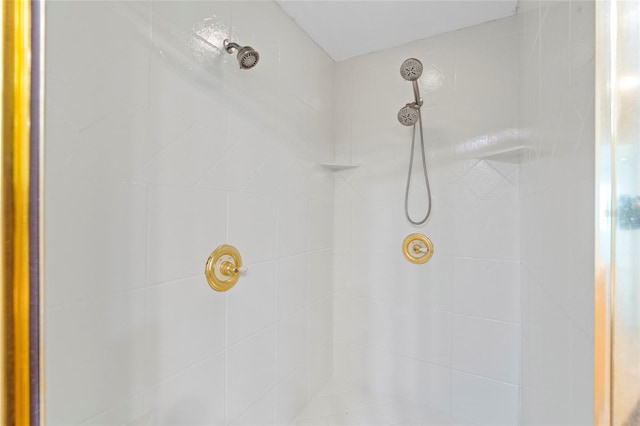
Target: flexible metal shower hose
x,y
424,169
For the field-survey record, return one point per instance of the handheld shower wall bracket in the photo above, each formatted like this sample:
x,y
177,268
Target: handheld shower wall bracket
x,y
408,115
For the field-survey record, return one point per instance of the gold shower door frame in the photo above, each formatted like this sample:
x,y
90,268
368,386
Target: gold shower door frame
x,y
20,178
617,296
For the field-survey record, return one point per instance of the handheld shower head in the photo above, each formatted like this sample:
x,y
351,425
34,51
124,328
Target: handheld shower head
x,y
247,56
411,69
408,115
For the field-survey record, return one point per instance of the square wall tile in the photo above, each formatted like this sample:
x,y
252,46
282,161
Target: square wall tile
x,y
340,270
132,411
252,226
250,371
186,77
251,303
292,285
99,58
487,348
481,221
293,226
320,275
185,226
487,289
321,225
186,398
582,377
260,413
95,356
235,167
484,402
320,369
292,343
118,146
320,325
341,222
111,215
176,314
186,159
423,383
292,395
429,285
342,314
372,369
424,334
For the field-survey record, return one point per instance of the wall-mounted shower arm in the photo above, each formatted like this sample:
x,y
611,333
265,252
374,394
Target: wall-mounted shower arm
x,y
229,46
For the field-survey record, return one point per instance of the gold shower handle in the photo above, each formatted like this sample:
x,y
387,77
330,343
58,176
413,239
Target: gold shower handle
x,y
223,268
417,248
229,269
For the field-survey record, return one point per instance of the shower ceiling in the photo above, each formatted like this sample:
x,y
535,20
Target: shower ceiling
x,y
345,29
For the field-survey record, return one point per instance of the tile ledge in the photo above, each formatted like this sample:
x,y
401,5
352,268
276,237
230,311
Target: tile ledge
x,y
339,166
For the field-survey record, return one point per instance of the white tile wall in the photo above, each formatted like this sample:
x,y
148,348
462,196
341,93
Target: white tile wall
x,y
159,149
173,311
252,225
101,362
251,306
291,396
293,229
186,398
498,404
250,372
292,290
261,412
404,328
492,282
523,81
556,215
292,341
111,263
486,348
178,240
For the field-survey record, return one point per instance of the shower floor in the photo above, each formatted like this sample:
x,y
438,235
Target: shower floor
x,y
341,403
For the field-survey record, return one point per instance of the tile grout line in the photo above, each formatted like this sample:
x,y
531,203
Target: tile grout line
x,y
276,395
226,328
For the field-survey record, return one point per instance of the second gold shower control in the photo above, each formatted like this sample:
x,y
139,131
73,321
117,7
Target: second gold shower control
x,y
417,248
223,268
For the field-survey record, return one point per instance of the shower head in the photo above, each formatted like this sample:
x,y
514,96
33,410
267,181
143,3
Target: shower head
x,y
247,56
408,115
411,69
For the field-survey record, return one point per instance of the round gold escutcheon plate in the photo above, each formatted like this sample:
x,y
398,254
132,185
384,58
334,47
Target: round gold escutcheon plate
x,y
417,248
223,268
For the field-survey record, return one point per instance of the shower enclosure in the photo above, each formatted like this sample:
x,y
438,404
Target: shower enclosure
x,y
159,149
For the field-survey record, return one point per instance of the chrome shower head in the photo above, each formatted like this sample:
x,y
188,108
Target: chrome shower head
x,y
411,69
408,115
247,56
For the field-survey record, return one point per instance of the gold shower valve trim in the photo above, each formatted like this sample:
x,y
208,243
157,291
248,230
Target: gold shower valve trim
x,y
417,248
224,267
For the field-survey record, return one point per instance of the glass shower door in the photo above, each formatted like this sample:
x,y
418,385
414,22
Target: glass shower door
x,y
618,367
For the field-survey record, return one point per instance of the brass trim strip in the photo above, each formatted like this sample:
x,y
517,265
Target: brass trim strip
x,y
605,215
3,323
14,187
